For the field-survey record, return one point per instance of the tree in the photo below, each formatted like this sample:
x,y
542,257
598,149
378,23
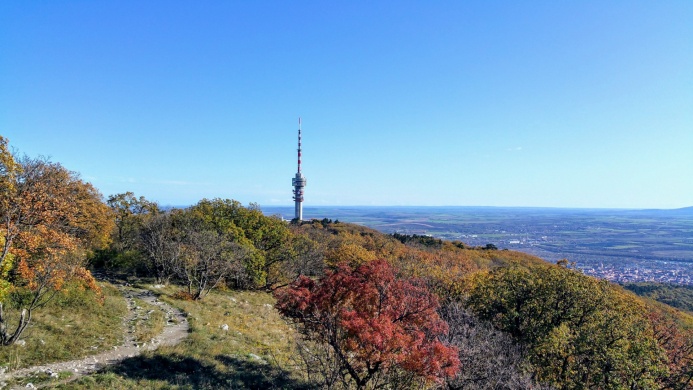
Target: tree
x,y
51,221
678,345
579,332
160,244
351,254
307,258
374,323
128,211
269,237
9,172
490,359
207,258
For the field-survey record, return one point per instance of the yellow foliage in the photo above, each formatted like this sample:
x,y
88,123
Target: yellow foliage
x,y
351,254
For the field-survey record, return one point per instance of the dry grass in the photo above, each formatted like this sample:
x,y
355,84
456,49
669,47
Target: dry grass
x,y
148,322
73,325
257,350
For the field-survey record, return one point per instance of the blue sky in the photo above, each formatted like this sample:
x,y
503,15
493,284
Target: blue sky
x,y
559,104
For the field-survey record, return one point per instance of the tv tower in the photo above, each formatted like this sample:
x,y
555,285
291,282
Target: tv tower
x,y
298,181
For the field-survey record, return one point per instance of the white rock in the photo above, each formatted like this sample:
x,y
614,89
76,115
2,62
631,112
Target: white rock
x,y
258,358
21,343
225,328
30,386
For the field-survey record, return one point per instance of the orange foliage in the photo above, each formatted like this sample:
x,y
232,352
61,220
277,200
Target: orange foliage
x,y
58,219
50,220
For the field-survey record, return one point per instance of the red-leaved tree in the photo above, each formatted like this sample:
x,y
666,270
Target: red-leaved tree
x,y
373,322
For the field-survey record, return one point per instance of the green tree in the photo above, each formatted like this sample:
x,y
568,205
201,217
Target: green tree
x,y
207,257
307,258
580,332
268,236
129,212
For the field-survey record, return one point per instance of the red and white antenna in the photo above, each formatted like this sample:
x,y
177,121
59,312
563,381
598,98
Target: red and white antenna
x,y
299,144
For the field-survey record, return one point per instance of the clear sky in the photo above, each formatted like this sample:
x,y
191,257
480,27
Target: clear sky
x,y
514,103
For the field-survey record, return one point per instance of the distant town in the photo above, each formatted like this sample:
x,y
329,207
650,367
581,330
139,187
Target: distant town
x,y
618,268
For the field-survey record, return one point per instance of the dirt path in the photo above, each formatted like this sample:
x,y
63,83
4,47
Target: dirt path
x,y
175,330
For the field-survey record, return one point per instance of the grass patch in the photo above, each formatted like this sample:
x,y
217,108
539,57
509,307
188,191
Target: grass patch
x,y
256,352
71,326
41,379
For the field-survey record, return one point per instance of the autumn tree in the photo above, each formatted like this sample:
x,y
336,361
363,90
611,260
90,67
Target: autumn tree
x,y
677,343
350,254
9,173
51,221
374,323
579,332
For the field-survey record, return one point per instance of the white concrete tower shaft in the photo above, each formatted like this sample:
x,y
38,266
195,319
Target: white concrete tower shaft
x,y
298,181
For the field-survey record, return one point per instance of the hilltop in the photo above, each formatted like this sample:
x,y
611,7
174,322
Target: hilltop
x,y
315,304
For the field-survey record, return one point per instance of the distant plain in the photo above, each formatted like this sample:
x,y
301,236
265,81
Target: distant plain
x,y
623,245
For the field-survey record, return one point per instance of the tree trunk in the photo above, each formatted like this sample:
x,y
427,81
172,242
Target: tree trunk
x,y
10,338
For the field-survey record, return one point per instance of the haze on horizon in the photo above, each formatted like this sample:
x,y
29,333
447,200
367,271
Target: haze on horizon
x,y
538,104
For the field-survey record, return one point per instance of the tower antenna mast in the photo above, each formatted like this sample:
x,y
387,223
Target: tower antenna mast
x,y
299,144
298,181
